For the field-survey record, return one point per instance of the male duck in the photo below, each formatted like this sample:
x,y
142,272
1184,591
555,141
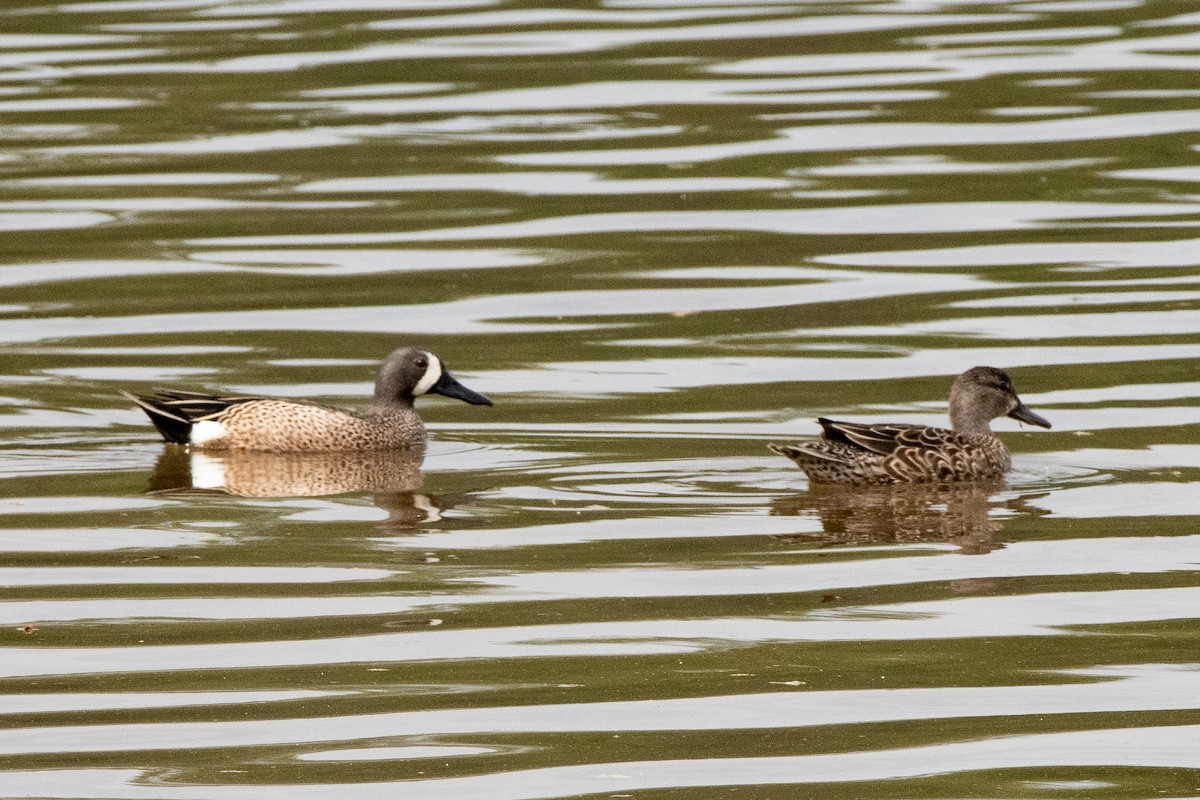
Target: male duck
x,y
853,453
272,424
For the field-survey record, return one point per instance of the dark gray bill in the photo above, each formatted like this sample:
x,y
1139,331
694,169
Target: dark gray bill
x,y
449,387
1025,415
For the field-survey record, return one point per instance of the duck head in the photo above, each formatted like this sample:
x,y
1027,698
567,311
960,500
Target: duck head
x,y
410,372
980,395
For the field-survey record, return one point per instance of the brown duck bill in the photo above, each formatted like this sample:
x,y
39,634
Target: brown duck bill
x,y
449,387
1022,413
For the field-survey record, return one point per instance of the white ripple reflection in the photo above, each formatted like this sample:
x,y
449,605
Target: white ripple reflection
x,y
487,313
394,753
1119,393
1188,174
32,41
886,136
1121,500
567,41
228,143
638,528
43,104
646,375
112,6
1053,614
901,218
74,540
937,165
369,261
1134,688
223,608
542,183
191,25
75,505
1025,327
1148,53
123,205
1155,457
1128,689
276,262
1149,555
520,18
370,89
361,319
1166,746
1176,253
148,179
32,221
664,426
163,576
1143,555
1028,35
218,9
40,58
1088,299
99,701
611,95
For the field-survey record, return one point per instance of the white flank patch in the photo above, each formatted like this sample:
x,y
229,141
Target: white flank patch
x,y
433,374
206,431
207,472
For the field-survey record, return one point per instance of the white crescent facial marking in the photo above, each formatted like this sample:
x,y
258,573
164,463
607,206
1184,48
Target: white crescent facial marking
x,y
433,374
207,472
206,431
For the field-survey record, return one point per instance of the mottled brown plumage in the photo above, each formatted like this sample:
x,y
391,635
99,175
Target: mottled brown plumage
x,y
855,453
223,422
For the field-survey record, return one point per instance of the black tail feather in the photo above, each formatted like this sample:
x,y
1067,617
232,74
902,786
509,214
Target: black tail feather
x,y
174,411
173,426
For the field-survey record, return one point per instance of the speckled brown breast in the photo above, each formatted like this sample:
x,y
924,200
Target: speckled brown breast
x,y
285,426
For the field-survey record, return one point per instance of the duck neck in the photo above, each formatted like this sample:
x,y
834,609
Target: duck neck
x,y
391,405
968,424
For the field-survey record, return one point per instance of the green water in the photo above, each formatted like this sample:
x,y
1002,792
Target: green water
x,y
658,234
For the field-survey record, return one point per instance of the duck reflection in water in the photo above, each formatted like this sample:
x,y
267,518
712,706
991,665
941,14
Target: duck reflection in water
x,y
392,476
955,513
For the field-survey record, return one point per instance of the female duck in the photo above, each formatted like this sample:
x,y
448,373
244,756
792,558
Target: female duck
x,y
892,453
218,422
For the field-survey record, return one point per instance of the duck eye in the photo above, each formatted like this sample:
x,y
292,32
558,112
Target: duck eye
x,y
422,363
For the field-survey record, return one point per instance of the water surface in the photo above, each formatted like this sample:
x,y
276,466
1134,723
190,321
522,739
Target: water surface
x,y
658,233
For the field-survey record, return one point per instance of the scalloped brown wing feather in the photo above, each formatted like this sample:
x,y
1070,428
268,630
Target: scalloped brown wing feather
x,y
885,438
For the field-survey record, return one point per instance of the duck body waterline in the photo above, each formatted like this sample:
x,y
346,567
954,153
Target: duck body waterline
x,y
855,453
271,424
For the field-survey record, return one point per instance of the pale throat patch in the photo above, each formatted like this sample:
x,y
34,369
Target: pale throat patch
x,y
433,374
206,431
